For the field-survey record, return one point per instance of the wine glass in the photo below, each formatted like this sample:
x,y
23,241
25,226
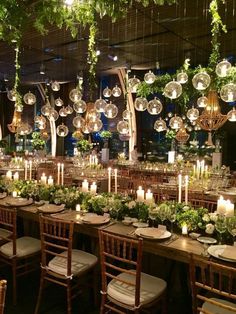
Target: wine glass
x,y
162,212
152,215
231,226
221,226
171,216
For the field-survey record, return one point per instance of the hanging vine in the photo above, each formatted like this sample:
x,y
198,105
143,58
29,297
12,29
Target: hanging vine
x,y
18,101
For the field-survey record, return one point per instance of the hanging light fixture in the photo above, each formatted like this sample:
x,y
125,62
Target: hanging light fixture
x,y
93,115
127,115
53,115
223,68
192,114
201,81
78,122
176,122
16,120
123,127
29,98
228,92
85,129
231,115
46,109
173,90
140,104
59,102
111,111
55,86
69,109
182,136
116,91
149,77
40,122
24,129
133,84
62,130
80,106
95,126
154,106
75,94
11,95
62,112
202,102
160,125
106,92
182,77
100,105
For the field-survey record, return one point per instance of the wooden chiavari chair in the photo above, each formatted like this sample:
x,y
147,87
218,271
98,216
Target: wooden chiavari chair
x,y
124,286
213,287
3,289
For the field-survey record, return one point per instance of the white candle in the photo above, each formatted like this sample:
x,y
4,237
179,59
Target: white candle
x,y
221,206
109,180
194,170
85,186
16,176
180,188
14,194
149,197
96,160
62,174
90,160
115,171
229,209
202,168
30,170
58,173
77,208
140,194
186,190
26,168
43,179
93,188
50,180
198,169
9,175
184,229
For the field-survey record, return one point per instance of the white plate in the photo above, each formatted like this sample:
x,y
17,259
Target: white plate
x,y
207,240
18,202
51,208
95,219
152,233
216,250
140,224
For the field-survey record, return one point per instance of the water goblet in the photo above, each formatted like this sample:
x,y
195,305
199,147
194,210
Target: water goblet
x,y
221,226
152,215
231,226
171,216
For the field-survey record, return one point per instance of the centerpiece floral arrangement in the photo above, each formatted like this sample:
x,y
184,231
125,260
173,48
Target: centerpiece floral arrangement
x,y
38,143
84,146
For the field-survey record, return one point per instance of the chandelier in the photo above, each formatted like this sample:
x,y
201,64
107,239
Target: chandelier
x,y
16,120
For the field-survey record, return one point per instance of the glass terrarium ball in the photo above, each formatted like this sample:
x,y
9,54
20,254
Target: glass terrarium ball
x,y
228,92
106,92
183,117
55,86
59,102
24,129
75,95
133,84
80,106
140,104
53,115
192,114
11,95
93,115
182,77
149,77
127,115
154,106
231,115
78,122
29,98
116,91
46,109
202,102
41,126
100,105
111,111
95,126
69,109
62,112
173,90
62,130
123,127
160,125
170,114
85,129
201,80
39,119
223,68
176,122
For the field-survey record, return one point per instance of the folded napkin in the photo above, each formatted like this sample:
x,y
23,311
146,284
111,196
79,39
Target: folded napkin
x,y
229,252
152,232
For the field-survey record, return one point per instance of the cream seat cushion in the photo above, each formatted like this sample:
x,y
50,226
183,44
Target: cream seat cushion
x,y
80,261
151,288
214,309
24,246
4,233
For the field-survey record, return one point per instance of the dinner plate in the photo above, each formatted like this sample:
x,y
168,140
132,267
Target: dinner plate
x,y
140,224
153,233
207,240
18,202
216,250
95,219
51,208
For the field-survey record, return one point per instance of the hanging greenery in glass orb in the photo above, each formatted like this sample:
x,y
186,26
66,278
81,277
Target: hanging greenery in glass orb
x,y
231,115
182,77
93,115
111,111
106,92
80,106
154,106
69,109
228,92
160,125
95,126
192,114
55,86
62,112
176,122
123,127
127,115
46,109
133,84
11,95
29,98
62,130
53,115
78,122
223,68
59,102
149,77
100,105
173,90
202,102
140,104
75,95
201,81
116,91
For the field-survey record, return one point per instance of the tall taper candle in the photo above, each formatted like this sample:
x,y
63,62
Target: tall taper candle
x,y
62,174
109,180
186,190
58,173
26,168
180,188
30,170
115,171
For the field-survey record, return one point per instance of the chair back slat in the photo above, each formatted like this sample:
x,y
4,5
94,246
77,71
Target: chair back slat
x,y
3,288
8,222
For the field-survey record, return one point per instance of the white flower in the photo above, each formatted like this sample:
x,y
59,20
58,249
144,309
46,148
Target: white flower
x,y
131,204
206,218
210,228
213,217
105,209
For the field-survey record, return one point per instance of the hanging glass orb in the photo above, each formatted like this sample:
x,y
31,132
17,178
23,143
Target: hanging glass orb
x,y
154,106
11,95
39,119
18,107
24,129
189,128
170,114
202,102
231,115
69,109
93,115
55,86
59,102
29,98
46,109
160,125
183,117
80,106
75,95
95,126
62,130
182,77
123,127
77,135
173,90
223,68
133,84
176,122
41,126
85,129
228,92
106,92
62,112
53,115
127,115
182,136
149,77
116,91
44,135
192,114
111,111
100,105
201,80
78,122
140,104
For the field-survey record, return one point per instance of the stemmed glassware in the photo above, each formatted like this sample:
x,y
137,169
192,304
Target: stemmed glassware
x,y
162,212
221,226
171,216
231,226
152,215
